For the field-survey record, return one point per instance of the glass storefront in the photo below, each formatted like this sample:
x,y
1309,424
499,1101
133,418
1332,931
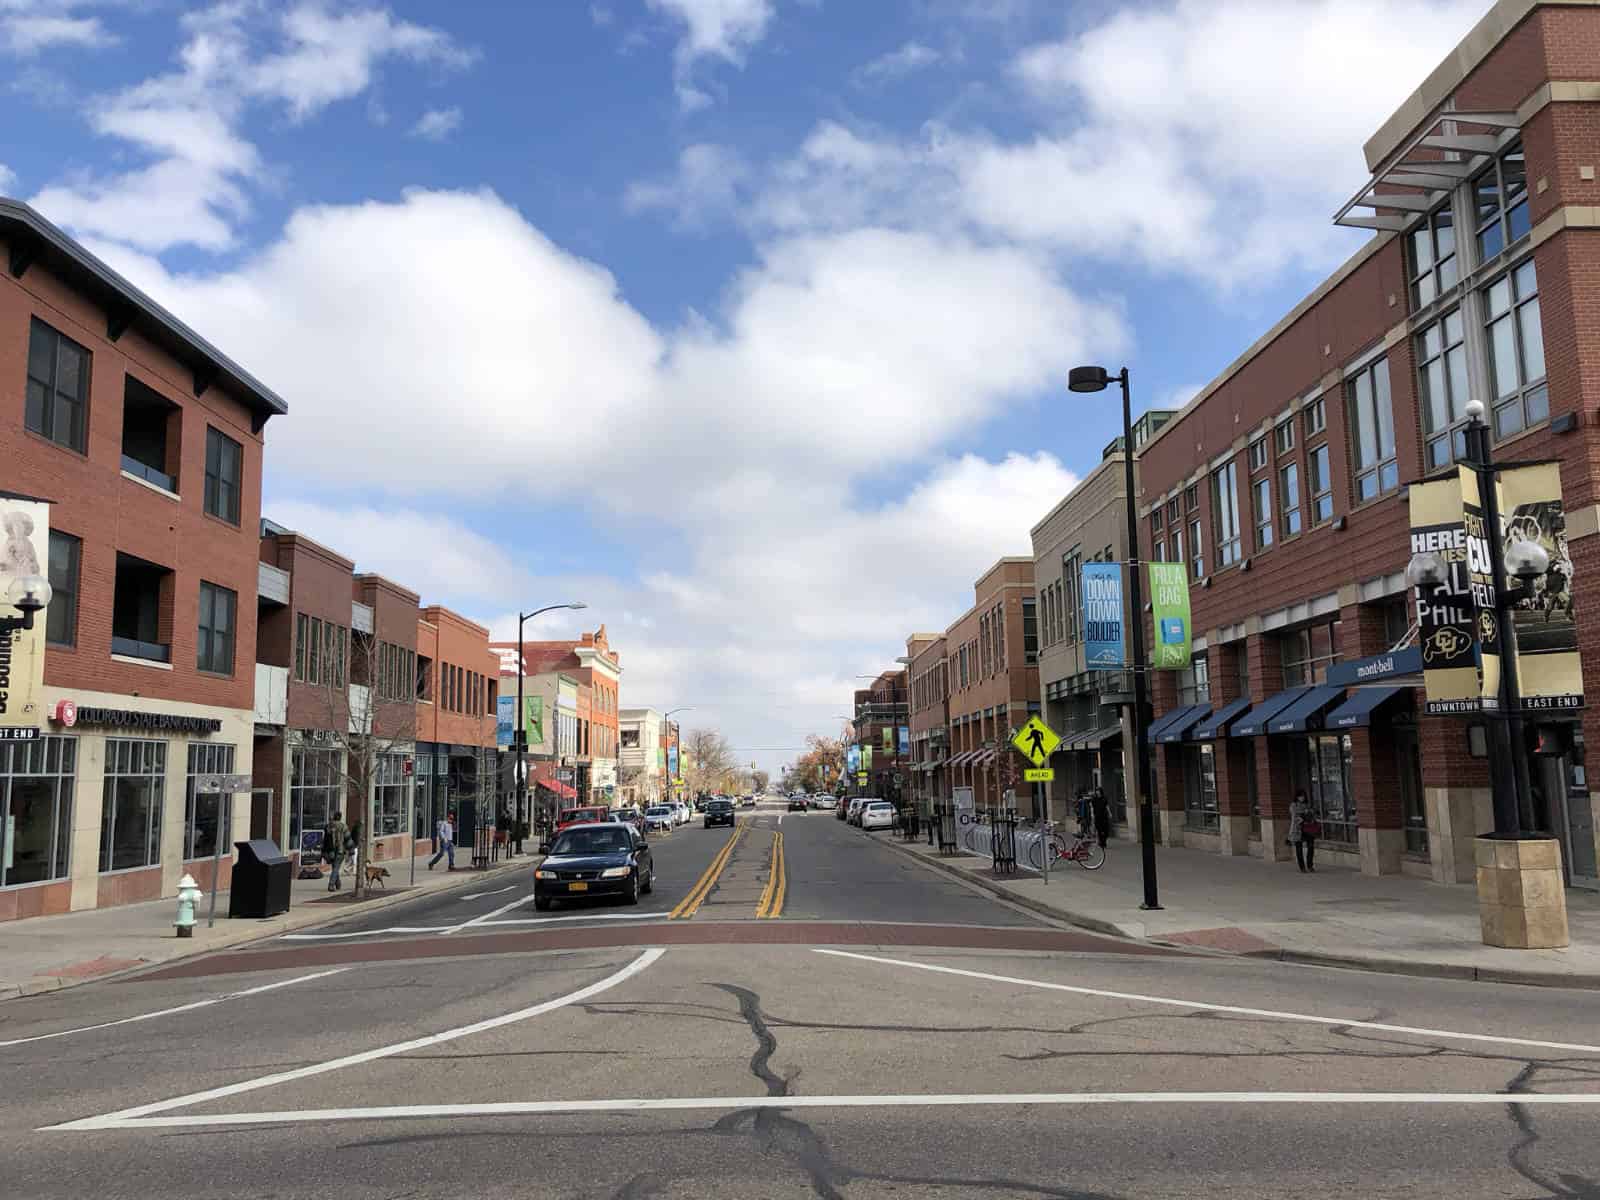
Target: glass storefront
x,y
200,811
36,781
1200,811
130,816
314,787
1321,765
389,794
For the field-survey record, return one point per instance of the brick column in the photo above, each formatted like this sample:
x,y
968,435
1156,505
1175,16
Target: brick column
x,y
1168,769
1457,798
1274,782
1379,821
1233,785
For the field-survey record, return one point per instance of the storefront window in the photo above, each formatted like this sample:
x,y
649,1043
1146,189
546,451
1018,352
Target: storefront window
x,y
200,811
1200,790
130,815
1408,763
1194,682
36,809
390,793
313,791
1308,652
1322,766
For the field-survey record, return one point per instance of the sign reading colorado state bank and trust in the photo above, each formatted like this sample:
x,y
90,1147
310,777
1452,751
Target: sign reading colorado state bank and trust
x,y
66,713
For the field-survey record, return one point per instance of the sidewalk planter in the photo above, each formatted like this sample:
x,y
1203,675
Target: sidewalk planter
x,y
1522,904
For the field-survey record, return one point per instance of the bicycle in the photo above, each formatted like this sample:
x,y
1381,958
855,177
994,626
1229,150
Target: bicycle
x,y
1082,848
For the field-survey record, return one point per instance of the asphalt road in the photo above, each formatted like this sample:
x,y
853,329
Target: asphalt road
x,y
886,1033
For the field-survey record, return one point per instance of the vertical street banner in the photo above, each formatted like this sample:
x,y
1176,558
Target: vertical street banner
x,y
24,550
1169,603
1446,615
505,717
1549,673
852,758
1102,617
1480,586
866,756
888,739
905,741
533,719
672,762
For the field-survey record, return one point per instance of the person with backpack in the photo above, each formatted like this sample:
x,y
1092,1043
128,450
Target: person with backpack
x,y
334,837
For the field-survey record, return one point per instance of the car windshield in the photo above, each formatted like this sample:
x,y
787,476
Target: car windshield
x,y
592,841
659,810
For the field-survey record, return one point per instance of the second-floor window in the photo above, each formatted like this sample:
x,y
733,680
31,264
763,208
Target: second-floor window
x,y
1225,507
1319,478
1431,257
1197,554
1372,430
61,617
1289,497
1316,416
319,651
1071,572
1030,632
1283,437
1306,654
1261,506
58,387
1442,379
1516,350
1500,199
218,608
224,462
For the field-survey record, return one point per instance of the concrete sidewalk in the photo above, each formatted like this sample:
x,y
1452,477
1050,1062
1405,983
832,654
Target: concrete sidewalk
x,y
1245,906
44,953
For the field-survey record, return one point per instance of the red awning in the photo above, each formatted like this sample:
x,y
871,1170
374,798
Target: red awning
x,y
565,790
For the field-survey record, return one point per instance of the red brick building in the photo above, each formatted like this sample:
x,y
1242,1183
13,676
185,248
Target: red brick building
x,y
1283,484
591,661
927,677
880,716
457,698
146,442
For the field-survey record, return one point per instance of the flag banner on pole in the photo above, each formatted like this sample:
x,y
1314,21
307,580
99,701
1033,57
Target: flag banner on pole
x,y
1169,603
1549,673
1446,614
1104,643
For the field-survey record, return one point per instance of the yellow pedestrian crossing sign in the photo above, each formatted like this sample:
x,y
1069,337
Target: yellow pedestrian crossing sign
x,y
1036,740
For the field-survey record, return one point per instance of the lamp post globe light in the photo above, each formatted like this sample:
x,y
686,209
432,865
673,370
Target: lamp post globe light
x,y
30,594
519,736
1097,379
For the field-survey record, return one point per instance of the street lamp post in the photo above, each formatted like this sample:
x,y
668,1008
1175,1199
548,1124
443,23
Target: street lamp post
x,y
30,595
1096,379
666,725
519,736
1508,757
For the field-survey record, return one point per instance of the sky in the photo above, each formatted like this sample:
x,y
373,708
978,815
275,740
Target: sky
x,y
744,322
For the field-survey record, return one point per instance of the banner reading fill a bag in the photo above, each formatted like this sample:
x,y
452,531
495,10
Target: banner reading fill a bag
x,y
1169,603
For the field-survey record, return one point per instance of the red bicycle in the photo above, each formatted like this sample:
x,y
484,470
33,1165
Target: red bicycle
x,y
1081,848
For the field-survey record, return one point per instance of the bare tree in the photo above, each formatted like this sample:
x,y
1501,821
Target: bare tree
x,y
711,765
759,780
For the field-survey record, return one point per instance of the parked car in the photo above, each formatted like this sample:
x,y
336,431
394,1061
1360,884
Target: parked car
x,y
823,802
684,812
592,859
858,804
628,815
718,812
797,804
579,816
876,814
747,802
662,817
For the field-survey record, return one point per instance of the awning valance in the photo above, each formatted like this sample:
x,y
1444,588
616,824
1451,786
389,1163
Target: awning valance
x,y
1358,710
1306,713
1216,725
1254,722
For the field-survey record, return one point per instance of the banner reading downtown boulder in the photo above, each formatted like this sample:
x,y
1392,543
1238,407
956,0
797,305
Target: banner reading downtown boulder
x,y
1169,603
1102,617
1446,616
1549,673
24,550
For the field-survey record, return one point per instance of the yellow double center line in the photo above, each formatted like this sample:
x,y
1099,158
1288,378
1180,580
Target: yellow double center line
x,y
771,904
691,903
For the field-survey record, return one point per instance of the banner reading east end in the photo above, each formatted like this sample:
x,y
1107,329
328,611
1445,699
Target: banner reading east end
x,y
1447,618
1549,673
1102,617
1169,604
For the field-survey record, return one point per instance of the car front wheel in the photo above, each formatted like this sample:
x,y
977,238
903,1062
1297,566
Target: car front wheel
x,y
631,896
542,903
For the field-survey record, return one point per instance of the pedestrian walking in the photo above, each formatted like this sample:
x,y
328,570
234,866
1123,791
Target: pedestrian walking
x,y
334,837
1102,815
444,833
1304,829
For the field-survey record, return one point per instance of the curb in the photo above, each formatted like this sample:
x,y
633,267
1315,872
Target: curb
x,y
1307,958
42,984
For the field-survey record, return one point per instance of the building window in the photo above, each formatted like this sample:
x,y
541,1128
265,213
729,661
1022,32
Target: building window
x,y
1442,384
1176,554
1174,511
389,793
1320,480
1396,621
1071,573
1191,498
1048,596
1500,197
151,428
1431,257
1316,417
1197,551
141,598
58,387
314,778
1261,505
1225,508
36,781
61,617
130,813
1372,426
1258,454
224,464
200,809
1155,518
1283,437
1194,682
1325,772
1516,351
1200,811
1030,632
1307,653
218,607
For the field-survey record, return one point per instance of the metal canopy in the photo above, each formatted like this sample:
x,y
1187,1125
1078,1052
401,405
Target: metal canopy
x,y
1417,165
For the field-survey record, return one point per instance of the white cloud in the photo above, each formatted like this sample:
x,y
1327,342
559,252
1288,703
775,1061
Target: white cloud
x,y
722,29
902,61
706,188
602,15
8,179
27,33
193,188
437,124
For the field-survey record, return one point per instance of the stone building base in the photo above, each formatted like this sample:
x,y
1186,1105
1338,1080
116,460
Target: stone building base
x,y
1273,833
1381,850
1235,835
1522,904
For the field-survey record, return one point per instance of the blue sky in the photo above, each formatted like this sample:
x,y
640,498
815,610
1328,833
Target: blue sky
x,y
744,321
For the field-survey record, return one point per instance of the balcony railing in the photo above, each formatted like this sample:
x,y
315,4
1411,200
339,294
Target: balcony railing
x,y
133,648
167,483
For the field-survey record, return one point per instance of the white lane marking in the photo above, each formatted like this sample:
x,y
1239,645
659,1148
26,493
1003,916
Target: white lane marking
x,y
1274,1014
109,1120
315,937
167,1012
489,916
679,1103
780,819
481,895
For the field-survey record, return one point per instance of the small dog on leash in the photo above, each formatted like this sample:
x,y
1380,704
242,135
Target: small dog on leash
x,y
377,874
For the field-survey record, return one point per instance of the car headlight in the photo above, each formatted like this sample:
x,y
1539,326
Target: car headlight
x,y
545,875
615,872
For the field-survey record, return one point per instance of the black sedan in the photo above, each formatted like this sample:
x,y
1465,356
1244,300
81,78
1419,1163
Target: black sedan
x,y
595,859
718,812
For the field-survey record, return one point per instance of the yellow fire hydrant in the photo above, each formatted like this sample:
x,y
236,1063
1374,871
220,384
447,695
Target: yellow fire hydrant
x,y
188,898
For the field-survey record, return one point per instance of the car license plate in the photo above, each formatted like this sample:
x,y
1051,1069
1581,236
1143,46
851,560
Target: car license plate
x,y
577,887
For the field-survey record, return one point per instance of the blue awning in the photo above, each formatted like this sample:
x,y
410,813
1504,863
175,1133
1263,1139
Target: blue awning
x,y
1306,712
1254,722
1216,725
1167,718
1175,729
1358,710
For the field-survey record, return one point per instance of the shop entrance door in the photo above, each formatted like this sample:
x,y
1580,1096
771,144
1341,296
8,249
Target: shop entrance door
x,y
1574,817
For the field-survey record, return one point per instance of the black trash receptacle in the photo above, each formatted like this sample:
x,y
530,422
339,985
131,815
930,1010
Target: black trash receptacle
x,y
260,885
